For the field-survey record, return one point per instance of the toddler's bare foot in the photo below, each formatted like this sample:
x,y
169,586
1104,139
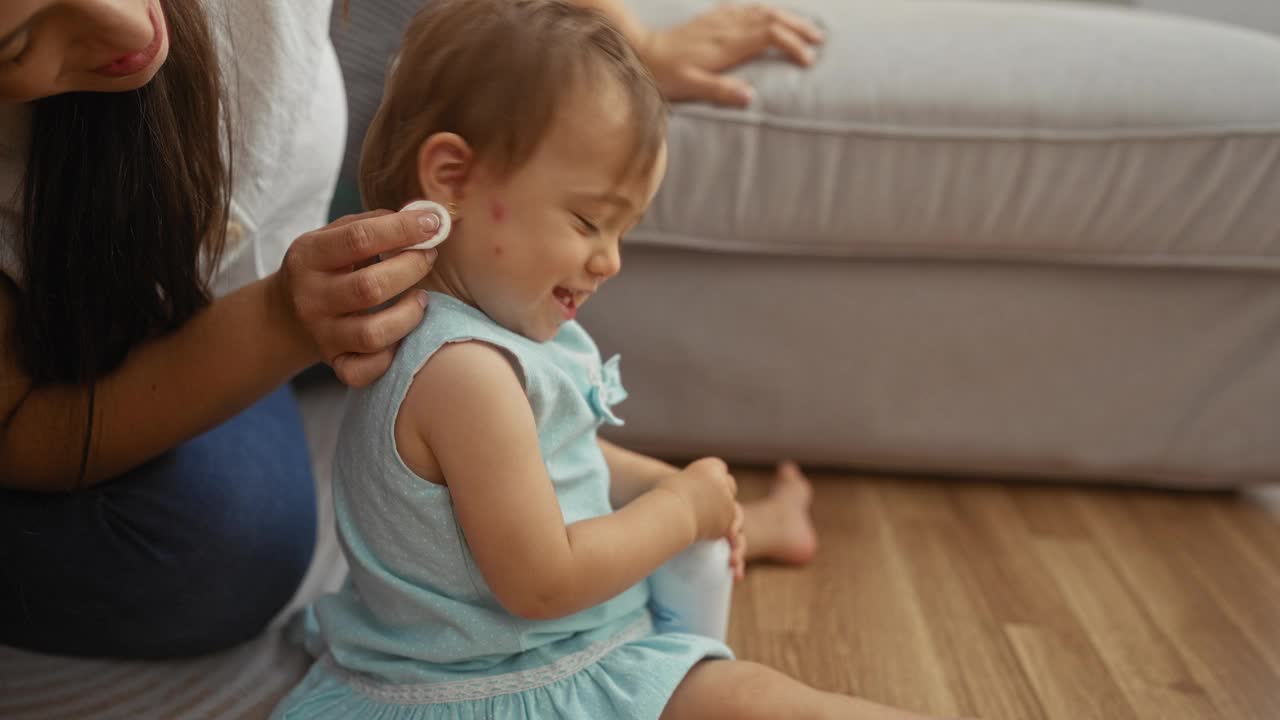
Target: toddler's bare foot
x,y
779,527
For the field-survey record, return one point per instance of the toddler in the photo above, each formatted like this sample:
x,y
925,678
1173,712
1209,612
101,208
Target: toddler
x,y
499,549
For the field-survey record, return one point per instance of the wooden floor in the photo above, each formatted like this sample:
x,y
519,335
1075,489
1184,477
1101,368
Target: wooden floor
x,y
1027,602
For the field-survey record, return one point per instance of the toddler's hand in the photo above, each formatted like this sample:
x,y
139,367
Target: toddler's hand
x,y
737,544
709,490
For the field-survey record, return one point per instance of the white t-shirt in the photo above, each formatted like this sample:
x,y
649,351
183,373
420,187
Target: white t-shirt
x,y
288,115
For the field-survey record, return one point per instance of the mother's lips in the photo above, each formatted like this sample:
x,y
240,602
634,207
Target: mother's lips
x,y
137,61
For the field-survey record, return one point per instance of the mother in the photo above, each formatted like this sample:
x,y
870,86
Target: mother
x,y
158,158
157,492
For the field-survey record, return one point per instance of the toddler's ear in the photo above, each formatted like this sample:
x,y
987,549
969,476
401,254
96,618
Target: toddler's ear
x,y
444,163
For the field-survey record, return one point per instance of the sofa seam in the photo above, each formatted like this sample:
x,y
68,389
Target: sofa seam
x,y
971,253
976,134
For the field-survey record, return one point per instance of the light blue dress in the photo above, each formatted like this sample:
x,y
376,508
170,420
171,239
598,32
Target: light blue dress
x,y
416,632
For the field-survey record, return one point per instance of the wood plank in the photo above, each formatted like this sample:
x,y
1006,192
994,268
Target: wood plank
x,y
1068,676
984,671
996,544
1246,588
1046,514
1253,525
866,634
1144,663
1220,656
1031,602
1052,645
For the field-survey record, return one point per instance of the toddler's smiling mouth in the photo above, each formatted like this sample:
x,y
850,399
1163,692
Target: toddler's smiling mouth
x,y
570,299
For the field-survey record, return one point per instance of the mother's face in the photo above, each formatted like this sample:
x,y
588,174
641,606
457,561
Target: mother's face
x,y
49,47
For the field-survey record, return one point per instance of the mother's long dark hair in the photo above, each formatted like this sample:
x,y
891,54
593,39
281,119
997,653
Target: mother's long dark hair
x,y
124,208
124,193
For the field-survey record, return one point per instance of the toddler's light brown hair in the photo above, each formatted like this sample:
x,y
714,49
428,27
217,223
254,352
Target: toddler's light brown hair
x,y
496,72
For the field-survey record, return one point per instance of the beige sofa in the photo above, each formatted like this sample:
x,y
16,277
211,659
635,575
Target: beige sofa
x,y
995,238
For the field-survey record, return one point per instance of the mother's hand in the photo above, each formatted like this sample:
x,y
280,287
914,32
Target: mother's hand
x,y
687,60
330,282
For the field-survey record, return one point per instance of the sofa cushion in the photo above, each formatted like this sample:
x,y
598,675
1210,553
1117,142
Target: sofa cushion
x,y
956,130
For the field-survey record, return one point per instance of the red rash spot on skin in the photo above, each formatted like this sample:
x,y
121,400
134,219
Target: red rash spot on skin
x,y
499,211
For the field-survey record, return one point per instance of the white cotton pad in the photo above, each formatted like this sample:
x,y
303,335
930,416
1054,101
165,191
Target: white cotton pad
x,y
446,223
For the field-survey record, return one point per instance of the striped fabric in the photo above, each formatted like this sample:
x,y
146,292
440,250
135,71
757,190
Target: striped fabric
x,y
244,682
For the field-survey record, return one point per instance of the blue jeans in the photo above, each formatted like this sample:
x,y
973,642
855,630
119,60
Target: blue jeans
x,y
191,553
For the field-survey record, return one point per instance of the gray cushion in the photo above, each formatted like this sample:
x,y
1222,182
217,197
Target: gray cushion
x,y
1076,133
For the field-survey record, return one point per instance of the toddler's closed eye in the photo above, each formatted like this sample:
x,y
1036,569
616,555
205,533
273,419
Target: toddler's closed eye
x,y
585,226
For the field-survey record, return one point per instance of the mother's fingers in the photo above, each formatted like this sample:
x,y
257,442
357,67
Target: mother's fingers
x,y
797,24
374,285
373,333
790,33
357,370
344,244
348,219
791,44
365,344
